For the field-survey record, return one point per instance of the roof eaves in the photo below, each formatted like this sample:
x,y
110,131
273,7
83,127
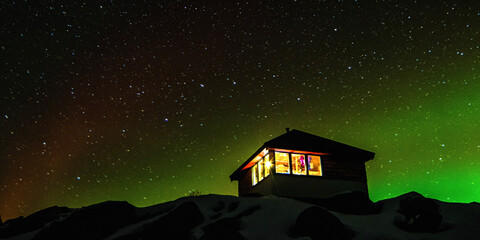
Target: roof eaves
x,y
234,175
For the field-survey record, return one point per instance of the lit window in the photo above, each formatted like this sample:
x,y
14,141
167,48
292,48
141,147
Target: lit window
x,y
268,165
254,175
298,164
314,167
264,152
260,170
281,163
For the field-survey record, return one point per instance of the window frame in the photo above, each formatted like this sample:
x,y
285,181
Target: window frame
x,y
304,162
291,163
255,175
271,155
320,170
260,164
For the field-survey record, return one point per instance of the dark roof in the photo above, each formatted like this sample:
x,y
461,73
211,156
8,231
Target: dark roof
x,y
302,141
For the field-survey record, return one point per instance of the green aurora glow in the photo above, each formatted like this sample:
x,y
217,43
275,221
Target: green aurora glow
x,y
145,103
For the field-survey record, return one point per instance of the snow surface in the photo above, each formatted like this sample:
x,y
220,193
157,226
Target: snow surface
x,y
460,221
275,216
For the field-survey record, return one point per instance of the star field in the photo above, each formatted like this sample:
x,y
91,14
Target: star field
x,y
145,102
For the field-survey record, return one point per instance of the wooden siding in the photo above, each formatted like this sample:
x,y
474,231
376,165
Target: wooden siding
x,y
342,169
245,182
314,187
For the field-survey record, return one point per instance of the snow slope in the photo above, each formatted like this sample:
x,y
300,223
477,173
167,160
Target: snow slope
x,y
268,217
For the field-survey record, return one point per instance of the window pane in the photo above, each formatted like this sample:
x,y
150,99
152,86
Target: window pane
x,y
314,167
268,165
254,175
281,163
298,164
260,170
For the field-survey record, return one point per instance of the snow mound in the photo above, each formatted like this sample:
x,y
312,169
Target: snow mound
x,y
409,216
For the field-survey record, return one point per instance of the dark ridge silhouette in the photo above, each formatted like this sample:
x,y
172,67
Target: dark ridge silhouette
x,y
418,214
32,222
94,222
215,217
176,224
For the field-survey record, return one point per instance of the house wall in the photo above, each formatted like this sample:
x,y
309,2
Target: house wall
x,y
245,182
338,175
264,187
313,187
343,169
285,185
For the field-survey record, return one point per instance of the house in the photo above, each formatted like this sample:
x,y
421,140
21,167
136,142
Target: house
x,y
302,165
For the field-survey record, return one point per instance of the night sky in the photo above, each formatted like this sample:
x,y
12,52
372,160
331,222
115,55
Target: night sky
x,y
146,101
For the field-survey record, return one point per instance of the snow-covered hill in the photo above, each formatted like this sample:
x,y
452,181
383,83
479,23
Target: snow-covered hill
x,y
409,216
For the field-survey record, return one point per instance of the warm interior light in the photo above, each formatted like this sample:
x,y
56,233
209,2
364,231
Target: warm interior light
x,y
265,152
282,164
298,164
314,166
261,173
254,175
268,165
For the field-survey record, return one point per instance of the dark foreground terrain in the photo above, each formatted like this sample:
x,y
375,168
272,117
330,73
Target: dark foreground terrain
x,y
344,216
